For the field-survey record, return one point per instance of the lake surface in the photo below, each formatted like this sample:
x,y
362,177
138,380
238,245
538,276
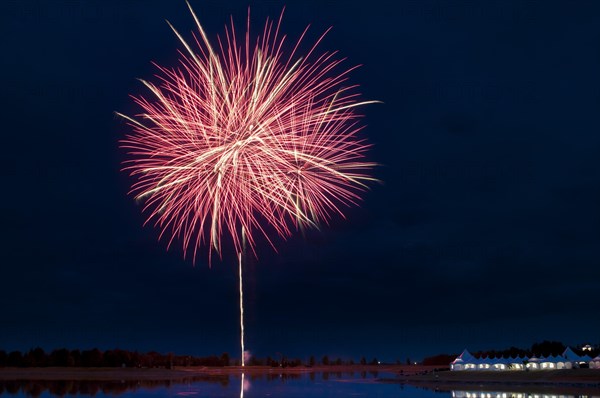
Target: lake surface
x,y
309,385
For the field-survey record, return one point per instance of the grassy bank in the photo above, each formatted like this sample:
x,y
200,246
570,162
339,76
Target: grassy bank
x,y
566,381
538,376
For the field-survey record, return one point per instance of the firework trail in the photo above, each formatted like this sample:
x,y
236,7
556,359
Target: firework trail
x,y
246,137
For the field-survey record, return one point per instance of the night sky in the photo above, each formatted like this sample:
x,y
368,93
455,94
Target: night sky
x,y
484,233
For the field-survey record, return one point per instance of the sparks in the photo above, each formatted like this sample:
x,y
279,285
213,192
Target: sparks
x,y
243,137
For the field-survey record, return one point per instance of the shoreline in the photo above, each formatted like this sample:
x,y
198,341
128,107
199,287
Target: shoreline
x,y
418,376
567,381
184,373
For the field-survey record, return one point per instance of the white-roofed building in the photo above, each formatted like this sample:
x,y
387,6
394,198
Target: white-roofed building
x,y
533,363
568,360
575,360
551,362
484,364
501,363
464,359
517,363
595,363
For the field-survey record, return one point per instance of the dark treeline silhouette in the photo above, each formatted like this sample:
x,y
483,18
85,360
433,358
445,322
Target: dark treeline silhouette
x,y
439,360
283,362
543,349
63,357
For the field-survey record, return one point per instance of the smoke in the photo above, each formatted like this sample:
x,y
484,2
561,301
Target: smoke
x,y
247,355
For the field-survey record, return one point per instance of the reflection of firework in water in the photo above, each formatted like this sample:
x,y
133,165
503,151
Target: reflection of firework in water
x,y
242,136
244,385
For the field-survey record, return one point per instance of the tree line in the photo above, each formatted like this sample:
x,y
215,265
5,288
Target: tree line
x,y
545,348
63,357
283,361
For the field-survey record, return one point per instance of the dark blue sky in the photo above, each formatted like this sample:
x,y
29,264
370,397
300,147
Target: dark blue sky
x,y
484,234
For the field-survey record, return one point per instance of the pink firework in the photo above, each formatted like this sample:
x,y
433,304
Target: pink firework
x,y
246,136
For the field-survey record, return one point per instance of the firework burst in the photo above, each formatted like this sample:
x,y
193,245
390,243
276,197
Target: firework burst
x,y
243,135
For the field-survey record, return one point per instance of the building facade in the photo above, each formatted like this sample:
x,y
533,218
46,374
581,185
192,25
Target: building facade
x,y
568,360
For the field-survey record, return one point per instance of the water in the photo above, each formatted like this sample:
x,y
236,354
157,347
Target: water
x,y
313,385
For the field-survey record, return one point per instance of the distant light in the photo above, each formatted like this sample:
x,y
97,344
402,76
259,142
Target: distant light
x,y
378,362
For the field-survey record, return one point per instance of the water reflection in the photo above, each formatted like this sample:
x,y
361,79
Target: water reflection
x,y
273,384
60,388
242,386
505,394
274,376
247,384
